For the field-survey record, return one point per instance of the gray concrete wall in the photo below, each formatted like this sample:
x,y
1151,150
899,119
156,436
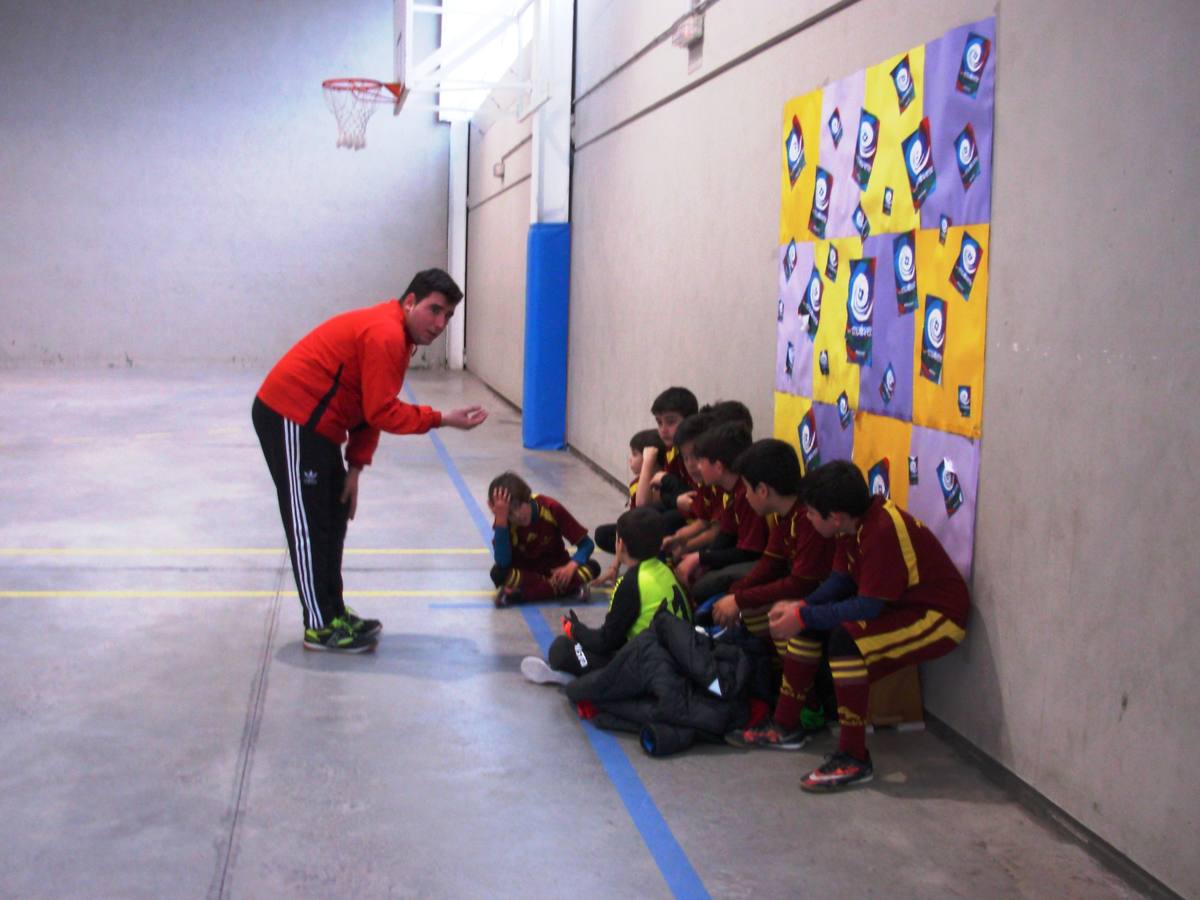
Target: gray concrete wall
x,y
1077,673
170,185
497,231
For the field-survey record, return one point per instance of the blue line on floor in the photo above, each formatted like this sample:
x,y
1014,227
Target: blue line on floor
x,y
672,862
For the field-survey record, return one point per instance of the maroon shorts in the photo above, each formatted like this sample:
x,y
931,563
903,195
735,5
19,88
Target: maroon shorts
x,y
902,638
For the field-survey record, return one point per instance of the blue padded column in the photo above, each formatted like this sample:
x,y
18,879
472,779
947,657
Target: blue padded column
x,y
547,295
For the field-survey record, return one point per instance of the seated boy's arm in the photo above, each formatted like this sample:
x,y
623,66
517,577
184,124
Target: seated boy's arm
x,y
707,535
611,635
583,550
830,615
502,546
838,586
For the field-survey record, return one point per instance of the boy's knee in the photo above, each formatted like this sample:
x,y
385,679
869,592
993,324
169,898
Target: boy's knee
x,y
589,570
561,655
500,574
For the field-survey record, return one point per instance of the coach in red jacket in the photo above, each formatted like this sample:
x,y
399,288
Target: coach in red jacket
x,y
339,385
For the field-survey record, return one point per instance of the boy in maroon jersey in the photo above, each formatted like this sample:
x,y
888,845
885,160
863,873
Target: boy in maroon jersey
x,y
742,534
527,540
705,504
797,559
669,409
894,599
339,382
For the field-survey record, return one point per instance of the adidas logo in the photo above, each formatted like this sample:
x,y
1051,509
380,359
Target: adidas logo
x,y
309,477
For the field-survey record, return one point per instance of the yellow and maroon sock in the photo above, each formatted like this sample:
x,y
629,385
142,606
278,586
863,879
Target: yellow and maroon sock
x,y
799,670
852,685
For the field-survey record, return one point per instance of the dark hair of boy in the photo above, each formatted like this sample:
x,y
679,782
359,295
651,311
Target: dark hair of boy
x,y
772,462
837,486
518,490
427,281
725,411
692,427
675,400
642,531
648,438
723,444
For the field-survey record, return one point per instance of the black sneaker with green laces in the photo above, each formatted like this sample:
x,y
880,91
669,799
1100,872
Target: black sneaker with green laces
x,y
366,627
338,637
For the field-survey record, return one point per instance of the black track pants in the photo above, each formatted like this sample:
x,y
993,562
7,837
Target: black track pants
x,y
309,479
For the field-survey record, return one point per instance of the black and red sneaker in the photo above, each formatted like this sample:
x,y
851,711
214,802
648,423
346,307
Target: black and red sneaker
x,y
839,770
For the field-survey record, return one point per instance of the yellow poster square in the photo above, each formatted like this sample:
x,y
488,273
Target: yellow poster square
x,y
789,410
829,344
949,340
800,152
881,448
887,187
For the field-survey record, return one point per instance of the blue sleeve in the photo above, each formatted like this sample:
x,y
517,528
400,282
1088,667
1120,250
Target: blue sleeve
x,y
501,546
583,550
838,586
831,615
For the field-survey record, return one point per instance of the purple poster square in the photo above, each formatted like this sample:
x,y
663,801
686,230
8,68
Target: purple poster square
x,y
927,501
791,329
950,111
846,96
892,342
835,441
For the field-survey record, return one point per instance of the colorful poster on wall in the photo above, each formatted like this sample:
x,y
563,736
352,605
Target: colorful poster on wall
x,y
883,275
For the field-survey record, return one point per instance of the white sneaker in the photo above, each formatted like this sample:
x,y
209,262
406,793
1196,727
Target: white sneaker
x,y
536,670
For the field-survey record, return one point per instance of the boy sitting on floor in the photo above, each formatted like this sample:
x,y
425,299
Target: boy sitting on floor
x,y
646,455
647,585
669,409
894,599
527,542
743,533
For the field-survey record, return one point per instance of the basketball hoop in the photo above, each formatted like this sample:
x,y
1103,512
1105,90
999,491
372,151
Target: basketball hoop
x,y
353,102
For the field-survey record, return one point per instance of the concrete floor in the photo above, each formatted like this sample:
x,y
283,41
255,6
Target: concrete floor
x,y
164,734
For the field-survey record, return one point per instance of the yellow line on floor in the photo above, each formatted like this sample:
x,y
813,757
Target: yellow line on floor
x,y
192,595
231,551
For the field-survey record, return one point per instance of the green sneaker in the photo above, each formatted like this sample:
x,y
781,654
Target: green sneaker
x,y
366,627
338,637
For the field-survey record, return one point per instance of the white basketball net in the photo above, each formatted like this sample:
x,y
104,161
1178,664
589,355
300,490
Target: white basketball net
x,y
352,102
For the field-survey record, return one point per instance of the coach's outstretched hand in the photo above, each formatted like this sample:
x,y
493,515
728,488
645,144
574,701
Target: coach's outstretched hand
x,y
466,418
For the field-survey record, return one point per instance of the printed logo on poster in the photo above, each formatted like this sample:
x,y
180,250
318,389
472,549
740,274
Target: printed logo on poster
x,y
966,151
831,263
860,308
789,260
812,302
887,384
779,312
964,400
951,490
835,127
962,276
864,152
845,415
823,362
794,146
810,451
887,201
912,470
944,228
918,161
904,267
933,339
861,223
819,217
975,56
879,479
903,80
790,358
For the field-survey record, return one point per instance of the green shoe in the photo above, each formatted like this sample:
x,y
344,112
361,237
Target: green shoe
x,y
366,627
338,637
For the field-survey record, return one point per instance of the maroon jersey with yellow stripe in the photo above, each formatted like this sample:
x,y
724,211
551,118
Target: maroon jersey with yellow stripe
x,y
895,558
539,544
796,560
740,519
709,503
